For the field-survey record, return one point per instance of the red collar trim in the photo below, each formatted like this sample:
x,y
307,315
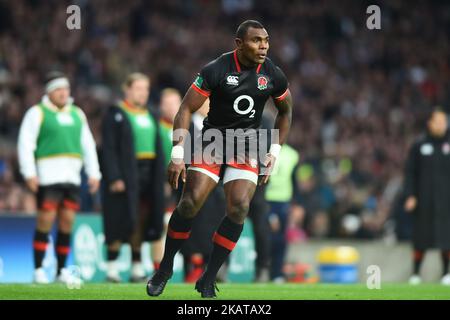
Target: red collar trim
x,y
238,66
166,123
236,61
130,107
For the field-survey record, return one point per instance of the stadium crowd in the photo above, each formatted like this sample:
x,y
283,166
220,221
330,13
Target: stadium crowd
x,y
360,95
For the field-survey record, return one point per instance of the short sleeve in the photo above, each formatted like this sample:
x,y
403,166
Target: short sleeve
x,y
206,80
280,89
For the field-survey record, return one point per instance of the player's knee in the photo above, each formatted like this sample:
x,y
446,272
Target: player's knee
x,y
65,221
187,207
65,225
44,226
238,209
45,220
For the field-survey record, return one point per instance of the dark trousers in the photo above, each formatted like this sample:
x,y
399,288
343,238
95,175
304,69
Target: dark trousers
x,y
258,214
279,243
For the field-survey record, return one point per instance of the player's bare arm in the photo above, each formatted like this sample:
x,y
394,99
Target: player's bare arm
x,y
283,124
192,101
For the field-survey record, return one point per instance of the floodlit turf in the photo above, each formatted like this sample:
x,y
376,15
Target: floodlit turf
x,y
227,291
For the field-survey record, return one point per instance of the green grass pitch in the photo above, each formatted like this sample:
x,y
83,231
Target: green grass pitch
x,y
228,291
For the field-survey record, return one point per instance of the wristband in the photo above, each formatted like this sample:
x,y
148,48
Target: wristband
x,y
275,150
177,152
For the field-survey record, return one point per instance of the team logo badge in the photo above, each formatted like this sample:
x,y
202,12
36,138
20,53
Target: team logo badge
x,y
446,148
118,117
198,81
253,163
233,80
262,83
426,149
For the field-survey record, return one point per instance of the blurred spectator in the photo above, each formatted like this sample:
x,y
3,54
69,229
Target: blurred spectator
x,y
13,198
313,200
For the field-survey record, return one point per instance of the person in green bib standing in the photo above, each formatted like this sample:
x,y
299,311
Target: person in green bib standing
x,y
169,104
279,193
133,167
170,100
54,143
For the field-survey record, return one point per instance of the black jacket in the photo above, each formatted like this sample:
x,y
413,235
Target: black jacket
x,y
118,162
427,177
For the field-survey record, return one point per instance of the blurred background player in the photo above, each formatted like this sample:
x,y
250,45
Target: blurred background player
x,y
279,194
54,143
427,185
258,212
169,104
196,250
133,166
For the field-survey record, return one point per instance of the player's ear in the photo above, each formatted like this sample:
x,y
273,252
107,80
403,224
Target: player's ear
x,y
238,42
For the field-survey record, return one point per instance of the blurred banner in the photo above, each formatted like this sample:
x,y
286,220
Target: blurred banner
x,y
88,252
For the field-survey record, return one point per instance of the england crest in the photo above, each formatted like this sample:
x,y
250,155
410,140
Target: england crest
x,y
446,148
262,83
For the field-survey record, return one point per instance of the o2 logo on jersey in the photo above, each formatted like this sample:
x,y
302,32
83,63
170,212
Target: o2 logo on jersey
x,y
249,109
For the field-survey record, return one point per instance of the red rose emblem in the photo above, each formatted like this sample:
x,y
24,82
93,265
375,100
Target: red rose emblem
x,y
262,83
